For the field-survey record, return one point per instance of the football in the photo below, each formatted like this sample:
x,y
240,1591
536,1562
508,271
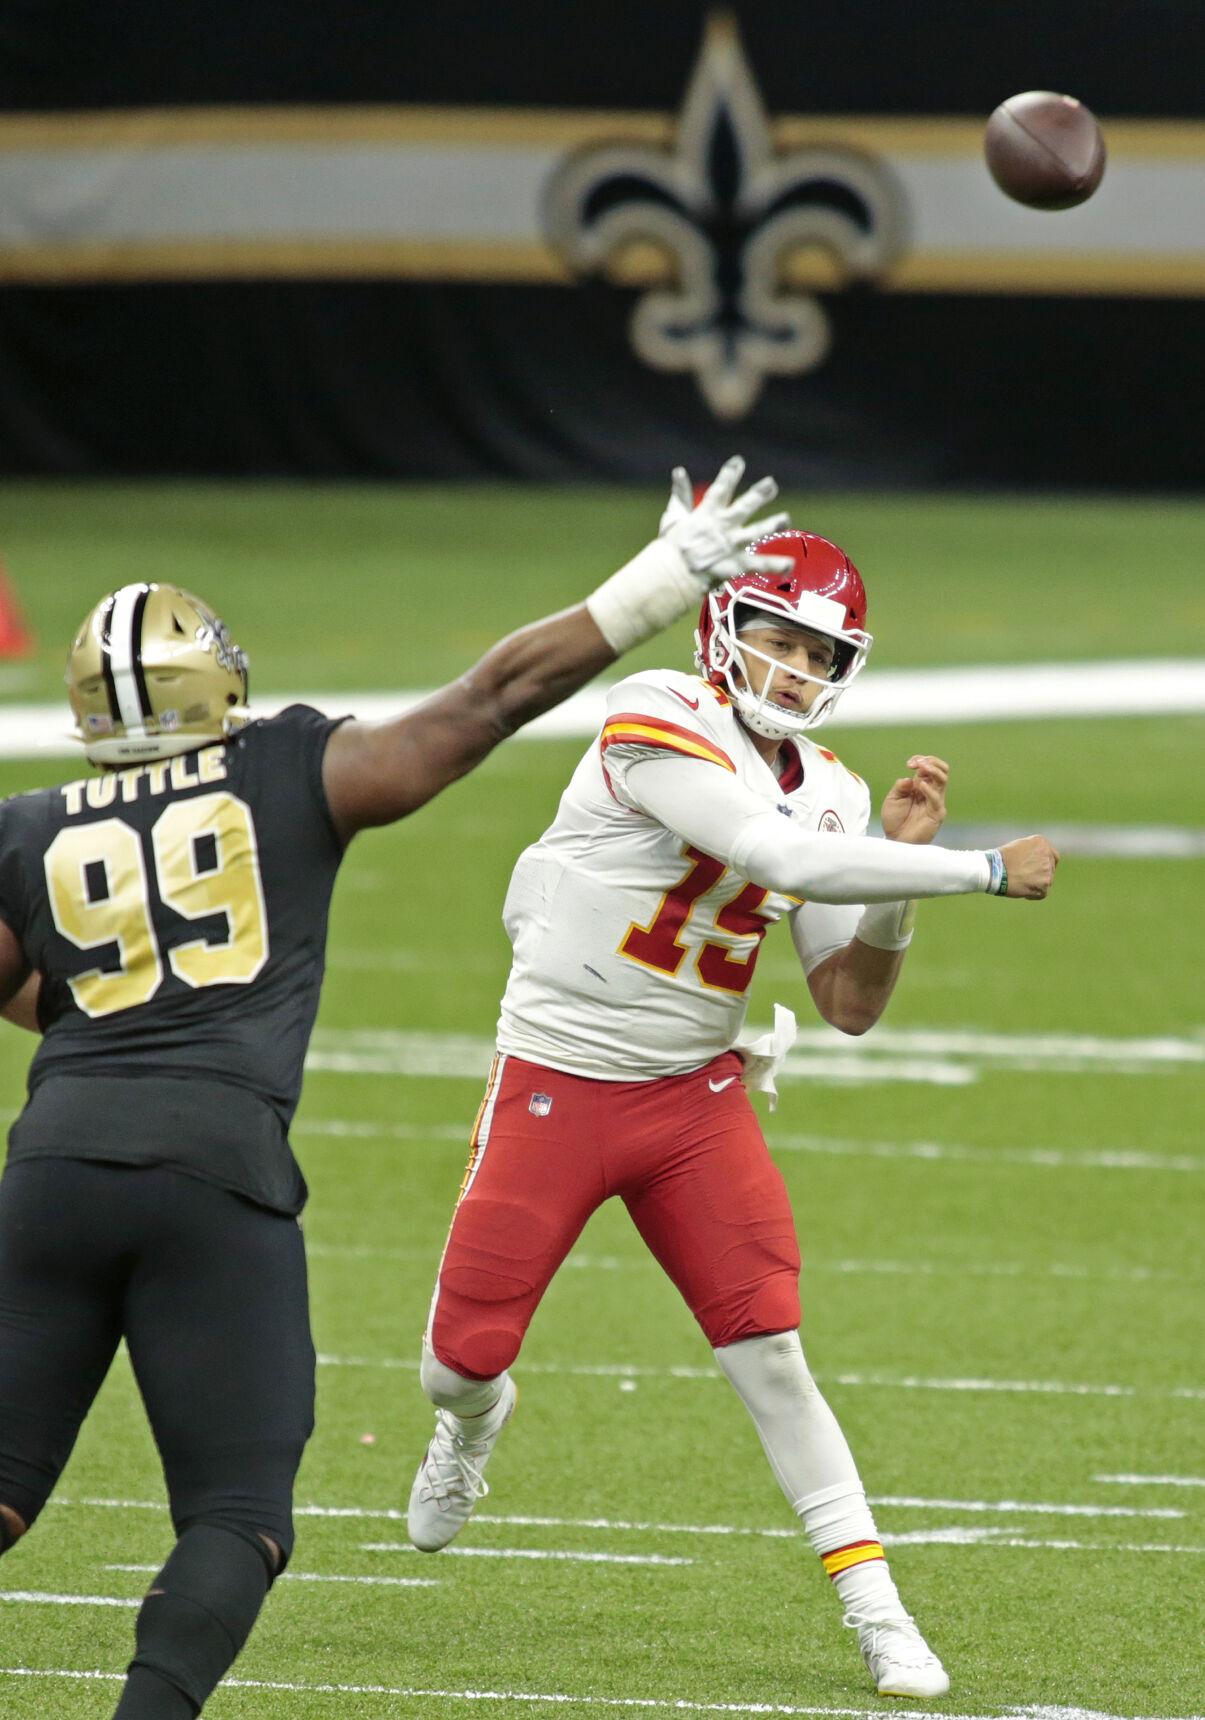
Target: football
x,y
1045,150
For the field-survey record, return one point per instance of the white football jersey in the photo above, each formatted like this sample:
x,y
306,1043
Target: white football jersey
x,y
634,952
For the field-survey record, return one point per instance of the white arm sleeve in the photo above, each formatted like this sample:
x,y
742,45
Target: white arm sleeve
x,y
820,929
708,807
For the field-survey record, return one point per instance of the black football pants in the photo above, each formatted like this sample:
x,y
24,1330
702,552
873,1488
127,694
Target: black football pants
x,y
209,1292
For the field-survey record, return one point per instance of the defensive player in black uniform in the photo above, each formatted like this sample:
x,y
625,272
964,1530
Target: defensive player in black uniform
x,y
163,925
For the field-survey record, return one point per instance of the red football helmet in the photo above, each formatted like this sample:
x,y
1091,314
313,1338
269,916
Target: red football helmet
x,y
823,593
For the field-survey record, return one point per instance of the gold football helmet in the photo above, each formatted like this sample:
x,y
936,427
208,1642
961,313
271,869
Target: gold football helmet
x,y
151,673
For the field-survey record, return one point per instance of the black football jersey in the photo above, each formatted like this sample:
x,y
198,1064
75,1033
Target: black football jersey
x,y
177,912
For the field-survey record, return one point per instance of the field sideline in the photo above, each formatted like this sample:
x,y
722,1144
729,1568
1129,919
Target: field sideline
x,y
998,1193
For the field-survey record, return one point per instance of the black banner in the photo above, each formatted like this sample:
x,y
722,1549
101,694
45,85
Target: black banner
x,y
573,242
826,56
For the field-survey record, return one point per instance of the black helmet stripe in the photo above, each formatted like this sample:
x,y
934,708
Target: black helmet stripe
x,y
106,660
144,697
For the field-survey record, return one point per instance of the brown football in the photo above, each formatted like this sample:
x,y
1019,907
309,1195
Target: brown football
x,y
1045,150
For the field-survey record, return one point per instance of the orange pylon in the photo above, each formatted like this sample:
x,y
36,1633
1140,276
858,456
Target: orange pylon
x,y
15,638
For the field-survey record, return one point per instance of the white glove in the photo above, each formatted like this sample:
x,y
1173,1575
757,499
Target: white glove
x,y
681,500
697,548
711,536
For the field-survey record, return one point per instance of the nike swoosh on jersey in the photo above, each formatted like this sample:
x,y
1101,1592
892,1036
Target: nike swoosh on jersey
x,y
718,1086
691,704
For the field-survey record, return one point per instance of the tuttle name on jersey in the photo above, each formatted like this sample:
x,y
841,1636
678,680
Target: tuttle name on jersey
x,y
186,770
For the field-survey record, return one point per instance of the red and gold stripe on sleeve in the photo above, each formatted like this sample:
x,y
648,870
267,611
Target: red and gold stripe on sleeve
x,y
634,729
844,1558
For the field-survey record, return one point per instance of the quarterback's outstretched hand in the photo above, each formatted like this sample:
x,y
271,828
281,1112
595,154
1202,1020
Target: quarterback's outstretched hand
x,y
1031,861
711,536
914,809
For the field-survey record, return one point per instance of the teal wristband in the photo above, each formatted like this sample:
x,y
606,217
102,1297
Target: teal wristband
x,y
997,884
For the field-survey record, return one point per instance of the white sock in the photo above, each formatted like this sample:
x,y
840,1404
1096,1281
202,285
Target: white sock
x,y
463,1398
840,1527
814,1466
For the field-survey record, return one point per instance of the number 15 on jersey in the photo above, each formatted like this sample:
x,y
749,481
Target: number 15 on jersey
x,y
658,944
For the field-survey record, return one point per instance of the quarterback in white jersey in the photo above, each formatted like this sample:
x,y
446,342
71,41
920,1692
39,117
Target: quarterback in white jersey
x,y
634,949
703,812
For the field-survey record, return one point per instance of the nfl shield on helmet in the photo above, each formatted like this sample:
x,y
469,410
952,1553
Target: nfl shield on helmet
x,y
153,672
823,593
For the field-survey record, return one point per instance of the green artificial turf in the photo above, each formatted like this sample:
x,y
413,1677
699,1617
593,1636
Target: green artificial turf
x,y
1002,1280
348,586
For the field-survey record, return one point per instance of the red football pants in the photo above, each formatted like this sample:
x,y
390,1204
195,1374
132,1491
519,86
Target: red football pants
x,y
686,1156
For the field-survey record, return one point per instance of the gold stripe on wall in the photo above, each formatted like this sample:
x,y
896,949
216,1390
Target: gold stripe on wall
x,y
1136,139
278,259
190,127
532,264
1139,139
1026,272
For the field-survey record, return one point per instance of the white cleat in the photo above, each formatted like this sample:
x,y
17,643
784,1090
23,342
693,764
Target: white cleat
x,y
897,1656
449,1480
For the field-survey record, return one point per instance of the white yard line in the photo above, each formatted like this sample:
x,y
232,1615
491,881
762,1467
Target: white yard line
x,y
357,1129
1154,1480
532,1553
899,1382
358,1251
317,1577
1010,1711
1043,1158
402,1051
847,1066
622,1526
939,1056
986,1269
633,1526
1006,1506
992,1538
880,698
1102,841
1056,1388
1011,1049
851,1268
396,1514
32,1597
902,1502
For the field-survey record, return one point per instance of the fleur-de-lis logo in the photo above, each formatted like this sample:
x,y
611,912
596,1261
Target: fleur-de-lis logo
x,y
214,636
725,213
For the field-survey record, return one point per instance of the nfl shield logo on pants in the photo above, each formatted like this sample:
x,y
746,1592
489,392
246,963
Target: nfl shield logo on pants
x,y
541,1104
